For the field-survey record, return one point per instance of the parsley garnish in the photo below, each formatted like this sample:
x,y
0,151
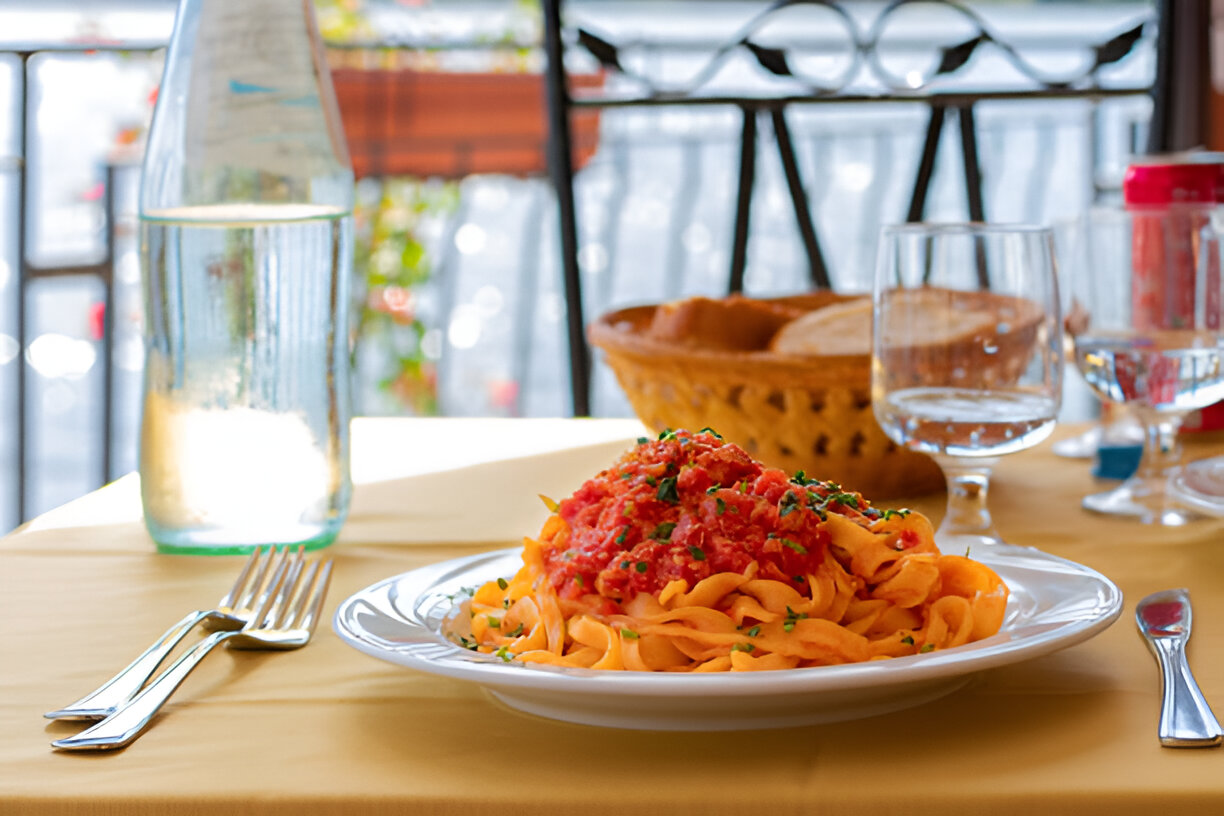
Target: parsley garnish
x,y
504,654
799,548
663,531
890,513
742,647
652,481
502,583
926,647
787,504
697,553
908,640
754,631
642,440
712,489
620,539
792,617
518,630
624,565
641,566
666,434
494,622
629,633
578,580
720,507
711,432
667,491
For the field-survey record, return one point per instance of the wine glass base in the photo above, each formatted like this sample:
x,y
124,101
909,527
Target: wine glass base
x,y
1081,446
965,543
1132,499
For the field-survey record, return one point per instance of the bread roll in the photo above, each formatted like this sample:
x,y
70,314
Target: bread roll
x,y
945,317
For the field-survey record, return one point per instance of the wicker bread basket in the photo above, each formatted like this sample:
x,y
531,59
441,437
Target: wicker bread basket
x,y
791,412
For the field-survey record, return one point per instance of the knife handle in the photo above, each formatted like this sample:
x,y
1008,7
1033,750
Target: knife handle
x,y
1186,720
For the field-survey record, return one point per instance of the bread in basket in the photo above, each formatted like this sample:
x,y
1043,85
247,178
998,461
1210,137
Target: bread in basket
x,y
788,379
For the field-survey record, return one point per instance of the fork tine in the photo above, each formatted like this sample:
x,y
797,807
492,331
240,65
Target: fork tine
x,y
281,601
252,594
291,612
240,582
320,593
272,593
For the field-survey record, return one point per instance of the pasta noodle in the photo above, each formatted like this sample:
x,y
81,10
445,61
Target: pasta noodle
x,y
688,555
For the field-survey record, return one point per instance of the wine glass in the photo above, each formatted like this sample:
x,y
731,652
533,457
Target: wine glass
x,y
1150,338
967,356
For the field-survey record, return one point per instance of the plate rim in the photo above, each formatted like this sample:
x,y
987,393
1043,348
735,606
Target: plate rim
x,y
492,673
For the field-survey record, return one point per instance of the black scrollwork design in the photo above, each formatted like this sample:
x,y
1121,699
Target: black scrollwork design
x,y
867,48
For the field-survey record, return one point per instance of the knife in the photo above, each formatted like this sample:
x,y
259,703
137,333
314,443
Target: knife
x,y
1186,720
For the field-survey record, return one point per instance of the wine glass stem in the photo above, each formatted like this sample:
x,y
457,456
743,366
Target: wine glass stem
x,y
1161,450
968,489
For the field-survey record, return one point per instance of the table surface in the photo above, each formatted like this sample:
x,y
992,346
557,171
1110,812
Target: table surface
x,y
311,731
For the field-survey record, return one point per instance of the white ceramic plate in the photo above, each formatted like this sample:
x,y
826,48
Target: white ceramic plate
x,y
1200,485
1054,604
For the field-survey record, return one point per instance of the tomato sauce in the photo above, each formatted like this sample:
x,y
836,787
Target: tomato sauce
x,y
687,506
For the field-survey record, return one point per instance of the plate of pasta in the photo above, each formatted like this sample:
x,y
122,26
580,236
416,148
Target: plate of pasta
x,y
689,587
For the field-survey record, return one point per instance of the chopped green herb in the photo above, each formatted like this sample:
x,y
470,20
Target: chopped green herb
x,y
720,507
516,631
502,583
908,640
652,481
797,547
624,565
798,579
504,654
754,631
663,531
505,603
712,489
641,566
926,647
626,475
697,553
788,504
667,491
578,580
468,643
494,622
743,487
627,509
711,432
549,503
792,617
666,434
890,513
620,539
629,633
642,440
742,647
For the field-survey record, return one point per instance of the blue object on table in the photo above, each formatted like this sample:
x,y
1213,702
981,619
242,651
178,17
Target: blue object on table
x,y
1116,461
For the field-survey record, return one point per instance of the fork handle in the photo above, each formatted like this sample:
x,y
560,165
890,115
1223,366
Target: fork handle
x,y
102,701
129,721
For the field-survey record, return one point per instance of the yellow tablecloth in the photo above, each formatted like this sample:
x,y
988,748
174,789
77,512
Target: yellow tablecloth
x,y
325,729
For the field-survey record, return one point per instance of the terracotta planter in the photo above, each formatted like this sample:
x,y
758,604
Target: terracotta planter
x,y
425,123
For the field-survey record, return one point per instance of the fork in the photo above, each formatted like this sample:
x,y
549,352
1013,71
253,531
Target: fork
x,y
285,619
233,611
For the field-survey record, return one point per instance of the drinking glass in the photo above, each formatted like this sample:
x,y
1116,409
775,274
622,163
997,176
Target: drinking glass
x,y
1149,337
967,356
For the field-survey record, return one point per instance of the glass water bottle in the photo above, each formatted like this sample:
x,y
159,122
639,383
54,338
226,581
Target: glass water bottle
x,y
246,246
